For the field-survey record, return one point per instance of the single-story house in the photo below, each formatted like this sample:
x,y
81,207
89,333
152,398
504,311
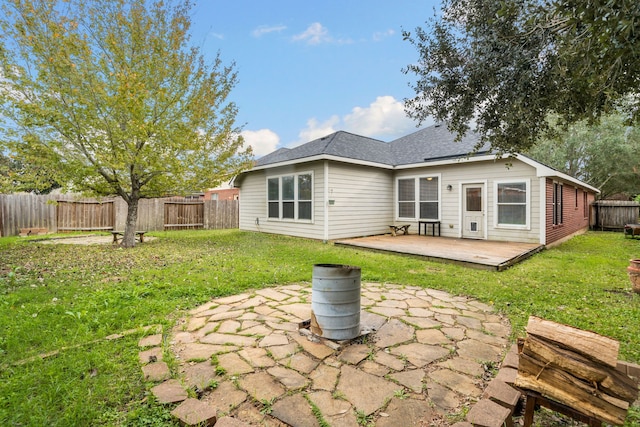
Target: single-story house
x,y
346,185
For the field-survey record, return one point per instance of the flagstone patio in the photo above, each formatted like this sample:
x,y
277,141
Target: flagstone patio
x,y
428,356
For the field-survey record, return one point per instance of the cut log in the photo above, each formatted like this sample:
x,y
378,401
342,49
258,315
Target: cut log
x,y
589,344
603,377
566,389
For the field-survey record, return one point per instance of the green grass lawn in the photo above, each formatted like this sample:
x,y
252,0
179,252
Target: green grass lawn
x,y
54,297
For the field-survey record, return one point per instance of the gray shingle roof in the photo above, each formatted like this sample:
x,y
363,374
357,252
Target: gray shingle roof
x,y
340,144
431,143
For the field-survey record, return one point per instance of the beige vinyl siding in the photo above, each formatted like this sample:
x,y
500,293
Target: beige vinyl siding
x,y
362,200
253,203
485,172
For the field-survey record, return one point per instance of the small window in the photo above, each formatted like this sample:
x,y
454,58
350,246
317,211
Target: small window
x,y
557,203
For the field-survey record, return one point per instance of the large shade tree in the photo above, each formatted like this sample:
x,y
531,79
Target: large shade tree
x,y
509,65
110,97
606,155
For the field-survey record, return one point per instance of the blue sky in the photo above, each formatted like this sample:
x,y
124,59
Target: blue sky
x,y
309,68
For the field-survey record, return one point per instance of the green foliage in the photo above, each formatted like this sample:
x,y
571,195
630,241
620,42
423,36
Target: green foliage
x,y
605,156
582,282
510,64
109,97
15,176
363,419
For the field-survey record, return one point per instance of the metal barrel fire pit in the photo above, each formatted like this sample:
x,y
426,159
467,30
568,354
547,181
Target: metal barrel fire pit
x,y
335,301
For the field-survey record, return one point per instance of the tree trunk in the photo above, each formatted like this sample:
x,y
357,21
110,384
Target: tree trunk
x,y
129,238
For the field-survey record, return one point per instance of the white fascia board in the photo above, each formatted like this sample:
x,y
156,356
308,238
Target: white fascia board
x,y
453,161
322,157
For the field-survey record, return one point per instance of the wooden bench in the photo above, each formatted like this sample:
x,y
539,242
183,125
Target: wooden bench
x,y
631,230
118,235
32,231
396,228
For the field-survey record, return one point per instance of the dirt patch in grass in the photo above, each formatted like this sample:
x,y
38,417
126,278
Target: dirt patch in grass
x,y
85,240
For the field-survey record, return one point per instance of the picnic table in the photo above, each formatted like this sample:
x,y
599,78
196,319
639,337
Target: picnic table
x,y
118,235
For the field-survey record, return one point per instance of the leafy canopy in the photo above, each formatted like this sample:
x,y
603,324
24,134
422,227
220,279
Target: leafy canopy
x,y
604,155
508,65
108,97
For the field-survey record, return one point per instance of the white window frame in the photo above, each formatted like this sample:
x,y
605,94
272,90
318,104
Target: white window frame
x,y
296,201
416,199
527,224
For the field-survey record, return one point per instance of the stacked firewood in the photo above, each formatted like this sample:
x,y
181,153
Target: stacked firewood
x,y
576,368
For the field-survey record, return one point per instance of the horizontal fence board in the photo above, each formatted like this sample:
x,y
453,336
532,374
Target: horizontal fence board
x,y
73,213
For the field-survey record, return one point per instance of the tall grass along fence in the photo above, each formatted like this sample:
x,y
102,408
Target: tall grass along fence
x,y
61,213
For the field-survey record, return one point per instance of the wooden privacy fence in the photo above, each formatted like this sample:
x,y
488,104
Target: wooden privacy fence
x,y
59,213
84,215
614,214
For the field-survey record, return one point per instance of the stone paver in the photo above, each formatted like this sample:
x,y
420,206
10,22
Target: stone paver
x,y
170,391
487,413
151,355
150,341
295,411
195,412
365,392
157,371
419,360
225,397
200,375
407,412
337,412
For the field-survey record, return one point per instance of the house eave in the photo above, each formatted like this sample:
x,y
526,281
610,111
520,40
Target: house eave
x,y
543,171
452,160
320,158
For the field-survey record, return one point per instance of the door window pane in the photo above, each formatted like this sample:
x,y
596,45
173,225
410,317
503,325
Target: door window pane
x,y
474,199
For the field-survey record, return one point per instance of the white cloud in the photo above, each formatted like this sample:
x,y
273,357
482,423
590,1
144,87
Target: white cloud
x,y
314,34
316,129
217,36
265,29
384,119
262,141
381,35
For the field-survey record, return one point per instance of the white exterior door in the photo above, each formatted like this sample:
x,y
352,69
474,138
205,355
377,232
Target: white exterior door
x,y
473,211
